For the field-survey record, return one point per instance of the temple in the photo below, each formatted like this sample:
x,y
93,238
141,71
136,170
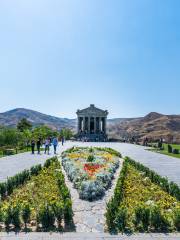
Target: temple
x,y
92,124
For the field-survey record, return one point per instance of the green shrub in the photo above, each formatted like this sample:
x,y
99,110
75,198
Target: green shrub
x,y
90,158
158,221
113,205
170,187
35,170
15,216
58,209
68,213
142,218
177,219
175,151
3,187
26,213
111,215
46,217
121,219
8,217
169,148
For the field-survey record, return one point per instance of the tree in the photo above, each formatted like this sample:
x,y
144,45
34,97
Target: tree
x,y
24,124
66,133
43,132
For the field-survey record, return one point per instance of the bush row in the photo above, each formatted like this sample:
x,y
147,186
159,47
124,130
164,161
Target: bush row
x,y
145,218
170,187
48,214
116,200
6,188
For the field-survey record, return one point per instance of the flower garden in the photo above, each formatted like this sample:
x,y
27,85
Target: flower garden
x,y
37,199
143,202
91,170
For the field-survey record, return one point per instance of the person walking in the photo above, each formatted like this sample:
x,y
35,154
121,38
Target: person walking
x,y
47,145
62,140
32,146
38,144
55,144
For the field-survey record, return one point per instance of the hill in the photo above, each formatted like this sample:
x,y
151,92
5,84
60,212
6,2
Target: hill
x,y
11,118
154,126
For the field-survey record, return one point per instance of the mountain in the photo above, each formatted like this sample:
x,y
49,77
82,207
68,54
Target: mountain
x,y
154,125
11,118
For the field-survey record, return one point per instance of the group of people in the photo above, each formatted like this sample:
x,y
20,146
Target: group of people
x,y
47,143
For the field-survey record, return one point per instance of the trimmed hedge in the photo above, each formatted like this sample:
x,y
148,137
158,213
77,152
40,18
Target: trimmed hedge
x,y
6,188
170,187
47,215
145,217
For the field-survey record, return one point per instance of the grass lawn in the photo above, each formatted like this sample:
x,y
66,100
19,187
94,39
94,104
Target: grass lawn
x,y
165,151
19,151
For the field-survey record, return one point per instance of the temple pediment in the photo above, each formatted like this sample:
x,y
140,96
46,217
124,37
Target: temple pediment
x,y
92,111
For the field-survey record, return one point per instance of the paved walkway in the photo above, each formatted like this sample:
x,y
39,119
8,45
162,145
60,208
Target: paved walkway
x,y
87,236
162,164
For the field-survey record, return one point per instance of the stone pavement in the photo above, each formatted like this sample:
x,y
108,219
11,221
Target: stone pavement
x,y
87,236
162,164
11,165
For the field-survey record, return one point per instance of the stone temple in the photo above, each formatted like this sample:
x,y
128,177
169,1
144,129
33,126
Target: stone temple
x,y
92,124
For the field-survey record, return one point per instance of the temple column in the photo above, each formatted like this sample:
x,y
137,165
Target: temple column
x,y
78,125
105,121
103,124
84,119
94,124
89,124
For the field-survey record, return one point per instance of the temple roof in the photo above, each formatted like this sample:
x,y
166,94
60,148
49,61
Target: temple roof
x,y
92,110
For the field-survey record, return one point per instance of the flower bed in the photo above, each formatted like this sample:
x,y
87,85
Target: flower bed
x,y
143,201
91,170
43,201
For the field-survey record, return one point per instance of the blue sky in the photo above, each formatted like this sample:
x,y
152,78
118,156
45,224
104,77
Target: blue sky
x,y
60,55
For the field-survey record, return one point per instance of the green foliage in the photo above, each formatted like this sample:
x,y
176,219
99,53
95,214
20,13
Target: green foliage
x,y
46,217
90,158
142,218
113,205
66,133
15,216
170,187
45,197
121,219
58,209
169,148
24,124
146,197
43,132
26,213
68,213
175,151
158,221
177,219
36,169
8,217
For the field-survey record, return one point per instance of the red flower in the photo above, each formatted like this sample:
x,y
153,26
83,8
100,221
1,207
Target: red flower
x,y
92,168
